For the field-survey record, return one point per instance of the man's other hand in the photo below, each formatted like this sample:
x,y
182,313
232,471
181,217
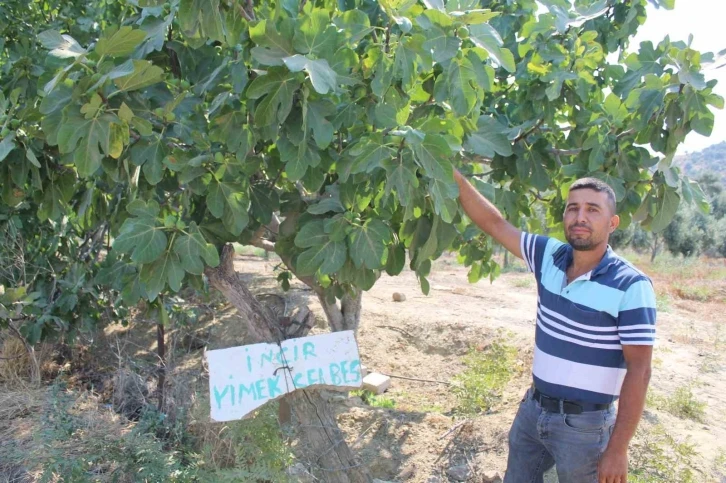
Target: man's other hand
x,y
613,467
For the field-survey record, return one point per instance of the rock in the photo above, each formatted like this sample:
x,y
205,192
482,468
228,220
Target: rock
x,y
491,477
376,383
399,297
458,473
376,480
300,474
434,479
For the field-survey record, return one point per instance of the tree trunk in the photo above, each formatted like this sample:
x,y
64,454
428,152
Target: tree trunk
x,y
325,447
655,247
345,316
161,351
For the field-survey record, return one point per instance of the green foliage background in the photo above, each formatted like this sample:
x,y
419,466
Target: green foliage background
x,y
172,128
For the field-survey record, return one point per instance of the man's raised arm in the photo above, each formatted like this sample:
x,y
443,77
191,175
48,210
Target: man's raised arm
x,y
487,216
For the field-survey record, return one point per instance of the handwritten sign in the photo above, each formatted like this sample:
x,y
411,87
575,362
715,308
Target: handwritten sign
x,y
241,379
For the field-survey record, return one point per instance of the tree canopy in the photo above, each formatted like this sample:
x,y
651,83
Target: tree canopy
x,y
172,128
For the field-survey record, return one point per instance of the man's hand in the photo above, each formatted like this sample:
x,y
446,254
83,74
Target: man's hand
x,y
613,467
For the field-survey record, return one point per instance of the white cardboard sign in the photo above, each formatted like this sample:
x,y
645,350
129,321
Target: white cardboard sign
x,y
241,379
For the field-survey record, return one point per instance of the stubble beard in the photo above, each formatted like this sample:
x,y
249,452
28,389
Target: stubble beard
x,y
582,244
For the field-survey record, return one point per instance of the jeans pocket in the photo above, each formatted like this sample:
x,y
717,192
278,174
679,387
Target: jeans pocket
x,y
591,422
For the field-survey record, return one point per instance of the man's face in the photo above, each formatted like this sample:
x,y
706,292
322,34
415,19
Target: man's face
x,y
589,219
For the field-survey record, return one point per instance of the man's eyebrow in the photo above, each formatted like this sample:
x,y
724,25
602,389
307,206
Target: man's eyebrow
x,y
597,205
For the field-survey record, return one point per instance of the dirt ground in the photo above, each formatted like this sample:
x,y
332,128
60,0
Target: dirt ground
x,y
426,337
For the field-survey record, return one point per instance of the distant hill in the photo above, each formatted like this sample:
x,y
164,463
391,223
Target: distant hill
x,y
712,159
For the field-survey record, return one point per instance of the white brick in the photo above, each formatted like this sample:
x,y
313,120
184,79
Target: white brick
x,y
376,383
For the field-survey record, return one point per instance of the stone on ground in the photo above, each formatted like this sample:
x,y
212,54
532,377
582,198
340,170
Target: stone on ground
x,y
399,297
376,383
491,477
458,473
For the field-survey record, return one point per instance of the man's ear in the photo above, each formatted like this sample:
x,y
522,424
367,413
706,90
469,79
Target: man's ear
x,y
614,223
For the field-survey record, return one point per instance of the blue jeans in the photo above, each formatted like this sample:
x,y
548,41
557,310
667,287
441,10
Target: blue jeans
x,y
573,442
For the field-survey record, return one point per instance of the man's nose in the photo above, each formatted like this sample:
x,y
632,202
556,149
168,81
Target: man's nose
x,y
582,216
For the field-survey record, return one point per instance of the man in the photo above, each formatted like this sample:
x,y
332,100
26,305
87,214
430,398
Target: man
x,y
593,341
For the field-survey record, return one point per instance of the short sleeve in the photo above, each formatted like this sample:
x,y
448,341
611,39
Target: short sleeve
x,y
533,249
636,319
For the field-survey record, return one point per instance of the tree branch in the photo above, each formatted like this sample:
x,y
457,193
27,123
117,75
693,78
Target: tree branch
x,y
259,241
478,160
274,225
537,195
388,38
528,132
417,379
625,133
245,14
173,58
260,324
251,11
266,245
333,313
566,152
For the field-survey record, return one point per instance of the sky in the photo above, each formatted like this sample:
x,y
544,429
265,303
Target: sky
x,y
705,20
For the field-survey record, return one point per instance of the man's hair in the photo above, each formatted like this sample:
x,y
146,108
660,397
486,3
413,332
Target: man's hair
x,y
596,185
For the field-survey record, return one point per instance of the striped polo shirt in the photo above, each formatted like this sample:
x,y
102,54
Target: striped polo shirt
x,y
582,326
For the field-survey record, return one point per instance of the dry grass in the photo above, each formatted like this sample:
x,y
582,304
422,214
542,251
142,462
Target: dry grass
x,y
19,420
56,435
215,441
15,362
698,279
19,403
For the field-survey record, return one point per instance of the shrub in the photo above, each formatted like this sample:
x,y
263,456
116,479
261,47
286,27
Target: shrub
x,y
373,400
657,457
480,385
683,404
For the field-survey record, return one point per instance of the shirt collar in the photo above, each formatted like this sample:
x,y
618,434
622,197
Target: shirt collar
x,y
563,259
607,260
